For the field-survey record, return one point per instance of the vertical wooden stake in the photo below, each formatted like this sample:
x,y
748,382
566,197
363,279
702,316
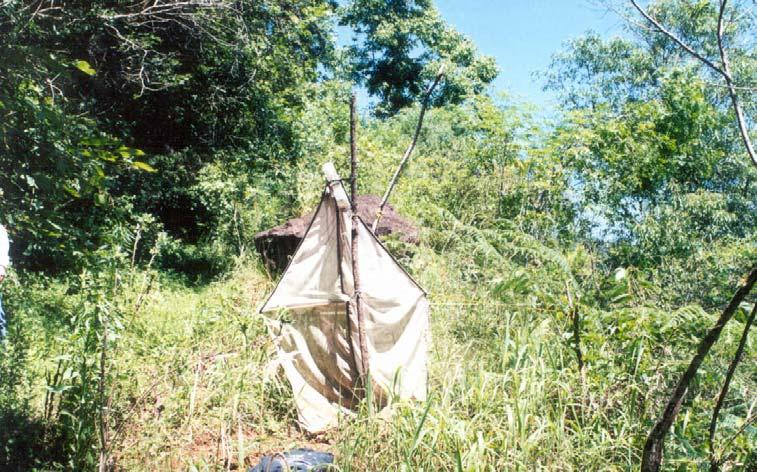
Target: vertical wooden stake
x,y
353,154
362,337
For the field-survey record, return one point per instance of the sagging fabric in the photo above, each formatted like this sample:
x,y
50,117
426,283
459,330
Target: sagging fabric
x,y
318,348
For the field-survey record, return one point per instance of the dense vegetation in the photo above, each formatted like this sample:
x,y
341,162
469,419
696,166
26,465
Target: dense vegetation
x,y
573,264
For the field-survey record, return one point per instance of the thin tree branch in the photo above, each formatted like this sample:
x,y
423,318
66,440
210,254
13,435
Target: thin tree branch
x,y
171,8
714,460
409,149
724,71
651,459
575,316
677,40
732,91
746,88
749,420
104,409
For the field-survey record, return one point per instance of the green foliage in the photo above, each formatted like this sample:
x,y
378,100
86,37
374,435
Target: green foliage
x,y
192,369
399,46
88,86
57,166
240,205
593,71
653,152
143,147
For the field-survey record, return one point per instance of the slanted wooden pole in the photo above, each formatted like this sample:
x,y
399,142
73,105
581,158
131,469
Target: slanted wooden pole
x,y
362,337
409,149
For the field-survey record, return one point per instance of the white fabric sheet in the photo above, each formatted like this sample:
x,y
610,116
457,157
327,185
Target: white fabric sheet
x,y
317,349
4,247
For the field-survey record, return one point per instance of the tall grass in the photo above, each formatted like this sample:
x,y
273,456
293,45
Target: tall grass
x,y
195,386
191,381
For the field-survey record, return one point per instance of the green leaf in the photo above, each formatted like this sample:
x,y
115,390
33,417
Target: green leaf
x,y
72,192
84,66
143,166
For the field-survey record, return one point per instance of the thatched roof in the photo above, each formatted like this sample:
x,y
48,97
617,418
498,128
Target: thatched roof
x,y
277,245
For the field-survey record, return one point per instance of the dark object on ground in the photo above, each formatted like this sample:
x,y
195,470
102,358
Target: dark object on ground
x,y
277,245
296,460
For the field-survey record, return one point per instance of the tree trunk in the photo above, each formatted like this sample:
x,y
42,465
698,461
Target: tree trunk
x,y
652,456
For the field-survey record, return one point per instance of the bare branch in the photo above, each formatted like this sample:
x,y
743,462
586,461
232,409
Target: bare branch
x,y
732,90
172,8
651,459
575,317
677,40
745,88
724,71
161,14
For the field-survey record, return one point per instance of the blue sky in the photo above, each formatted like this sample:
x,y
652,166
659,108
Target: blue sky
x,y
522,35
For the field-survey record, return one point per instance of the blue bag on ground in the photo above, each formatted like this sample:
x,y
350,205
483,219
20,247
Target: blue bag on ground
x,y
297,460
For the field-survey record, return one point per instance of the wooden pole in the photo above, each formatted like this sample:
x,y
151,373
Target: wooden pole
x,y
353,153
409,149
362,337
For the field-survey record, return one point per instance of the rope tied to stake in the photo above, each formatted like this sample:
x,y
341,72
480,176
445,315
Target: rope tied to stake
x,y
349,180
